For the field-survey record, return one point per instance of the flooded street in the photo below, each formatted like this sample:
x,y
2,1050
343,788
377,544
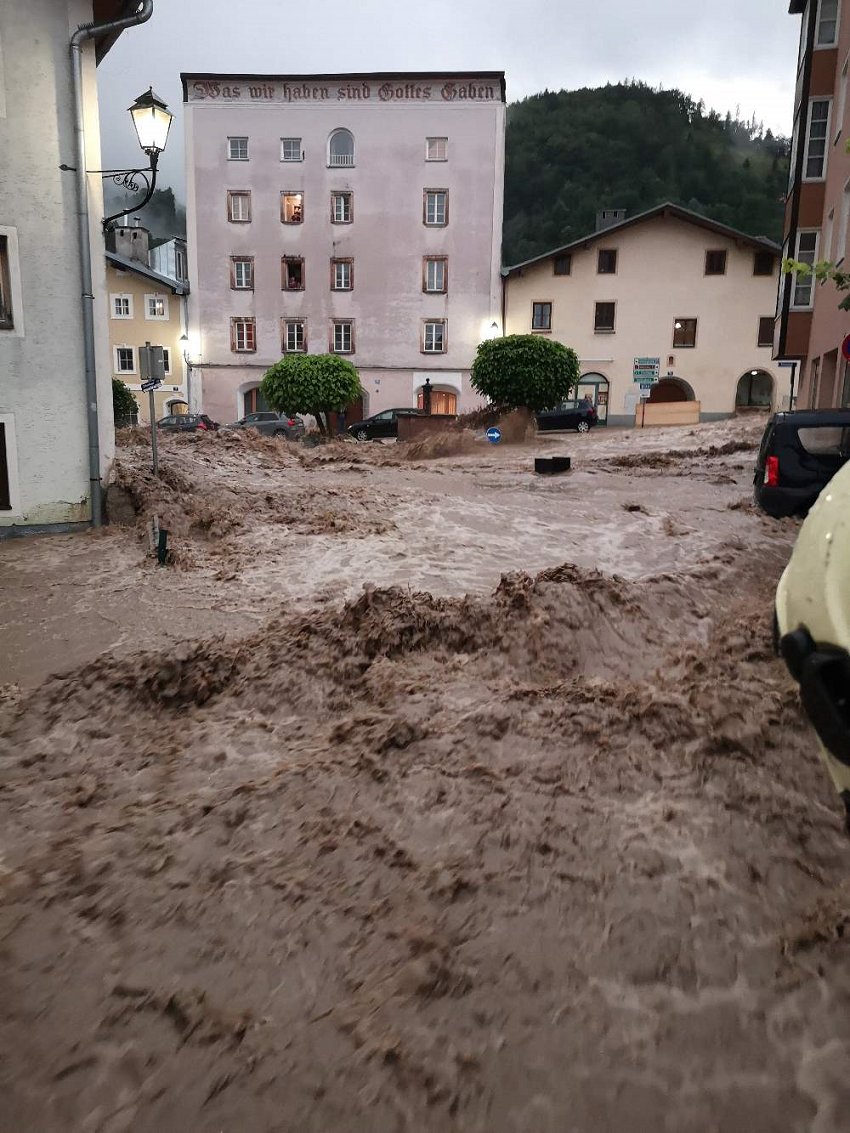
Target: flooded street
x,y
417,794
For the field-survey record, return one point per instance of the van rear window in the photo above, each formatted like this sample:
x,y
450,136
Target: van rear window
x,y
825,440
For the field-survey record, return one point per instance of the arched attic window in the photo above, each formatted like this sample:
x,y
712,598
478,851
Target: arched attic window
x,y
341,148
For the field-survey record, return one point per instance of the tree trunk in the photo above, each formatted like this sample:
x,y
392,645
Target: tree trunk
x,y
322,428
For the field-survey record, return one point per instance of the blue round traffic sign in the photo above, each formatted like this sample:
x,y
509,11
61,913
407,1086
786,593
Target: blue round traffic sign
x,y
494,435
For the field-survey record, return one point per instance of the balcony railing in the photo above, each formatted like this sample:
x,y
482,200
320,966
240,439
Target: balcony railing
x,y
341,159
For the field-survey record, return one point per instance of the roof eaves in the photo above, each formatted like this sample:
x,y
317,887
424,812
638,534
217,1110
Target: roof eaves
x,y
124,264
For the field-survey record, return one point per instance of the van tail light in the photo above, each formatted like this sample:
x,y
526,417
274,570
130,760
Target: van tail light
x,y
290,422
201,425
771,472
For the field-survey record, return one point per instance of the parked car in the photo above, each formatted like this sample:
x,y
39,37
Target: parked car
x,y
577,414
381,425
800,452
271,424
186,423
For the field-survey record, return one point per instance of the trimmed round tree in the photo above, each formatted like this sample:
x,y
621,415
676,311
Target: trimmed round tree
x,y
525,371
311,383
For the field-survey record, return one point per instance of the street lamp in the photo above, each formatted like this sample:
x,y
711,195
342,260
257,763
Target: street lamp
x,y
152,121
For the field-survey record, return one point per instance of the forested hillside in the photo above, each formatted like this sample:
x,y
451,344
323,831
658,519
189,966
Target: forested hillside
x,y
629,146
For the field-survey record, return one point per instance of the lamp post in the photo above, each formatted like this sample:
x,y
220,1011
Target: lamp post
x,y
152,122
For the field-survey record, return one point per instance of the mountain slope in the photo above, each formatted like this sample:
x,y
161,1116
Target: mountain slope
x,y
629,146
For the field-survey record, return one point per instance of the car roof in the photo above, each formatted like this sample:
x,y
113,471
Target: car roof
x,y
813,417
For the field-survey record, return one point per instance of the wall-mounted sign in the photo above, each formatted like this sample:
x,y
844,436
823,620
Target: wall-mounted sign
x,y
845,348
390,90
646,369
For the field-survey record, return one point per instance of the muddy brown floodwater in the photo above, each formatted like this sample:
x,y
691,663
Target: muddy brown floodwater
x,y
417,794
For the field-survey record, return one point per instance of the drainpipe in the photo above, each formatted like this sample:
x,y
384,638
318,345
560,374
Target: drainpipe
x,y
83,32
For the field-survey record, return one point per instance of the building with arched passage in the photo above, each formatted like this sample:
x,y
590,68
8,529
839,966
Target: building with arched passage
x,y
358,215
666,306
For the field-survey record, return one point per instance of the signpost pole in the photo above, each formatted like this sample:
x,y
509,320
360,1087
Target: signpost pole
x,y
153,433
793,376
149,382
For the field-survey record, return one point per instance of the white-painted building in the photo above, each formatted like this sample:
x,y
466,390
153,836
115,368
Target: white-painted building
x,y
44,436
666,300
357,214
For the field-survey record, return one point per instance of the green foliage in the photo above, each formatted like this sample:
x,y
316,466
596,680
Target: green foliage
x,y
525,370
310,383
823,271
570,153
122,400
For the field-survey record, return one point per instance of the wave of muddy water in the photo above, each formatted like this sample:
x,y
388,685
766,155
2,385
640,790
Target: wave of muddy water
x,y
541,852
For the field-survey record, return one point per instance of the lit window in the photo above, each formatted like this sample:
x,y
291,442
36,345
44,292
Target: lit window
x,y
242,273
243,336
239,206
607,261
436,149
434,336
805,253
541,316
684,333
290,149
436,210
125,360
341,208
436,274
292,273
237,149
827,23
342,275
715,262
342,336
815,161
341,148
603,318
291,208
156,307
294,338
122,306
563,265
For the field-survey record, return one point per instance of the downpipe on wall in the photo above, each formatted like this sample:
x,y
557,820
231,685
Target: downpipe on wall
x,y
84,32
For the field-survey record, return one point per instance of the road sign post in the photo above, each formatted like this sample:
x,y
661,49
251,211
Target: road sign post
x,y
153,371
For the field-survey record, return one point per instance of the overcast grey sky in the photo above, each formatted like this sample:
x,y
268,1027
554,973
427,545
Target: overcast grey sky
x,y
728,52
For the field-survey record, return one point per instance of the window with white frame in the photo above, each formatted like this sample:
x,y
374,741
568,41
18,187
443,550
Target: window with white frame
x,y
290,149
341,148
342,275
180,264
342,336
436,274
242,273
239,206
436,149
342,208
434,336
814,166
156,307
122,306
838,120
243,336
841,249
125,359
828,229
827,32
293,338
805,253
436,208
237,149
7,317
166,359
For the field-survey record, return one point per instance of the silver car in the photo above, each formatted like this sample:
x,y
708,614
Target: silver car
x,y
271,424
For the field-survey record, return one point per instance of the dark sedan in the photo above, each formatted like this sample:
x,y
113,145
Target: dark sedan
x,y
578,415
381,425
186,423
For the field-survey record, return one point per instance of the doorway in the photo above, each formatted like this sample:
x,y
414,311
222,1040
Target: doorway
x,y
755,391
671,390
597,388
442,402
254,402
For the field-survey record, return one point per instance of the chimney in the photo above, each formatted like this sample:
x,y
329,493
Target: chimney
x,y
131,241
605,218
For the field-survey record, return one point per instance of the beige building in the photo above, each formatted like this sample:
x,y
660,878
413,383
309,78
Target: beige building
x,y
146,306
666,307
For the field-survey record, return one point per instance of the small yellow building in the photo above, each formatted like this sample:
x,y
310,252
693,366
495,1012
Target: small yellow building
x,y
146,306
